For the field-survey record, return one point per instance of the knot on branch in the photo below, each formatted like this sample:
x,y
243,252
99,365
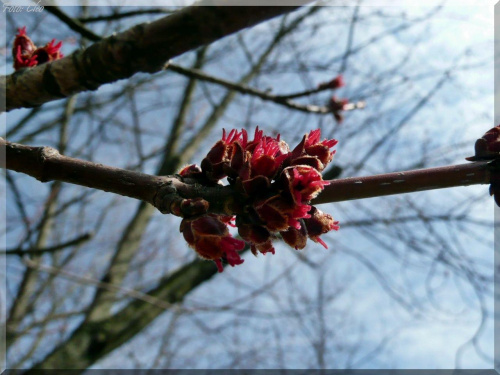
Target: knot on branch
x,y
169,201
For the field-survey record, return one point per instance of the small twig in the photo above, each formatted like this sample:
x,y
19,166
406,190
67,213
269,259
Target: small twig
x,y
243,89
73,23
118,16
135,294
76,241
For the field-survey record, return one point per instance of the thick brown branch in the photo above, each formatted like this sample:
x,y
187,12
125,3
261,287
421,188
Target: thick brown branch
x,y
143,48
46,164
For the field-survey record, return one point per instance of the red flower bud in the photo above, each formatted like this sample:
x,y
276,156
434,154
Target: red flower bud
x,y
319,223
335,83
296,238
302,182
209,237
27,55
313,152
337,104
263,248
48,53
488,146
274,213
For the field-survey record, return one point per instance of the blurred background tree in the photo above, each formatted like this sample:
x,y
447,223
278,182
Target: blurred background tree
x,y
97,280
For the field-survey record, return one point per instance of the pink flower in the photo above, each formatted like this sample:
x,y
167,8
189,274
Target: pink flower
x,y
272,190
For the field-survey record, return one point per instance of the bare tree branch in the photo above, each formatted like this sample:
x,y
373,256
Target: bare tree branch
x,y
283,100
75,241
46,164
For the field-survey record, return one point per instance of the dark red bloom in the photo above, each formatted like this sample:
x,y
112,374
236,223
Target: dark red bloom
x,y
258,237
27,55
23,49
266,158
217,160
303,182
488,146
335,83
337,104
295,237
48,53
319,223
313,152
209,237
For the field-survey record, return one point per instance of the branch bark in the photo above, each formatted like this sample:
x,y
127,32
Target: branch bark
x,y
143,48
46,164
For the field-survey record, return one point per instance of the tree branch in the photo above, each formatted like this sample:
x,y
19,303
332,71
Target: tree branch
x,y
405,182
143,48
283,100
118,16
75,241
46,164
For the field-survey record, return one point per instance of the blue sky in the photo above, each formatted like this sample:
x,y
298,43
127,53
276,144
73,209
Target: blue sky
x,y
428,336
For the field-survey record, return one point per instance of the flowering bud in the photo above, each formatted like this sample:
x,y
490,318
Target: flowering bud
x,y
217,160
209,237
488,146
319,223
27,55
313,152
296,238
335,83
48,53
274,212
337,104
302,182
263,248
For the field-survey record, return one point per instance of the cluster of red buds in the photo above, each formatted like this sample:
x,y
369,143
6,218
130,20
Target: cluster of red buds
x,y
26,54
273,187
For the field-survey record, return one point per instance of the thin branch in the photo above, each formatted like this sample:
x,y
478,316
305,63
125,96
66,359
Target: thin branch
x,y
405,182
73,23
135,294
118,16
46,164
75,241
244,89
